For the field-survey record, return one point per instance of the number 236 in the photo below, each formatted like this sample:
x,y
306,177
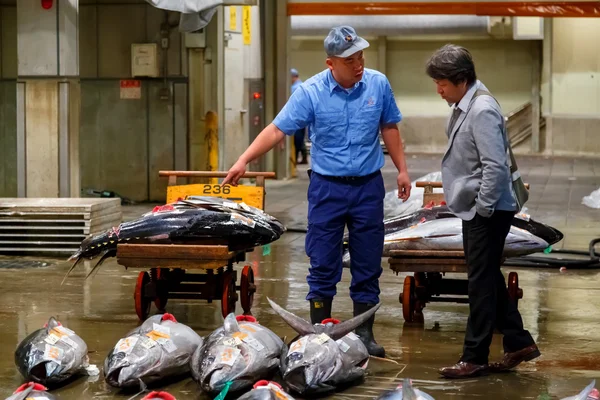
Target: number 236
x,y
216,189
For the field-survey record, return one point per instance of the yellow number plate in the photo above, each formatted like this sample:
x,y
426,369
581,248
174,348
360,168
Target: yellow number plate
x,y
251,195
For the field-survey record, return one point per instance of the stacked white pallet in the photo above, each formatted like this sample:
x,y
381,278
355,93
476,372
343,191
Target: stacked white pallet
x,y
53,225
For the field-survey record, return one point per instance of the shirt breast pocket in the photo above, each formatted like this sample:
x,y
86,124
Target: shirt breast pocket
x,y
368,123
329,128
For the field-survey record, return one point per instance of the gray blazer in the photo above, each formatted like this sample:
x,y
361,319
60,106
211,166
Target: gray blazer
x,y
475,172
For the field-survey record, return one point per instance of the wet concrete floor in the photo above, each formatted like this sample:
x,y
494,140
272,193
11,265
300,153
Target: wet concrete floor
x,y
561,309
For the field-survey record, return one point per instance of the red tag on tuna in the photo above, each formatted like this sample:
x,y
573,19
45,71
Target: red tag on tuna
x,y
166,207
169,317
245,318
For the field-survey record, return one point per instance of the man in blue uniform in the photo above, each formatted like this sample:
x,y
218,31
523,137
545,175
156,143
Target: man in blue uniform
x,y
344,106
299,144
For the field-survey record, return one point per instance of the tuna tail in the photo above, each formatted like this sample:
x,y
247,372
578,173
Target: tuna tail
x,y
302,326
340,330
407,391
76,256
52,323
585,392
231,325
107,253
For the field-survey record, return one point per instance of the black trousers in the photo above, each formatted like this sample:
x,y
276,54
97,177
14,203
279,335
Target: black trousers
x,y
489,304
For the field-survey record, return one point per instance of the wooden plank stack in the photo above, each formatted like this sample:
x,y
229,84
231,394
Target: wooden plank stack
x,y
53,225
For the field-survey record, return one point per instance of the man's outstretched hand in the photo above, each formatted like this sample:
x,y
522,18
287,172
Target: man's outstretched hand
x,y
404,186
235,173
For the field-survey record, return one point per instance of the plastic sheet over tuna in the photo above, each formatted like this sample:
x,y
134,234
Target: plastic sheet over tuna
x,y
395,207
161,347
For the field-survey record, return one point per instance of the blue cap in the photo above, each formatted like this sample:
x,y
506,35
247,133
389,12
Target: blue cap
x,y
343,41
294,72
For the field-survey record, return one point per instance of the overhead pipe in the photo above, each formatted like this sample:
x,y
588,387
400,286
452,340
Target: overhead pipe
x,y
390,25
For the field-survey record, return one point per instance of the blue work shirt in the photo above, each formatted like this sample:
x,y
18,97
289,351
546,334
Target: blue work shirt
x,y
343,123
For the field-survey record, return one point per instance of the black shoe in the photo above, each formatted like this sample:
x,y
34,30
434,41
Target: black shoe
x,y
365,331
320,309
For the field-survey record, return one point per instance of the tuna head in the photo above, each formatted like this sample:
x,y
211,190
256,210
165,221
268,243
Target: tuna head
x,y
314,362
220,360
51,355
133,358
160,348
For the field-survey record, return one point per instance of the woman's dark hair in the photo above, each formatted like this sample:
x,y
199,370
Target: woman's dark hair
x,y
453,63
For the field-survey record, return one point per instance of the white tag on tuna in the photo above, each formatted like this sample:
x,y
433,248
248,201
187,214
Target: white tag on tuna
x,y
255,344
322,338
342,345
70,342
53,353
148,343
51,339
298,346
353,336
243,220
168,345
228,356
161,328
126,345
64,330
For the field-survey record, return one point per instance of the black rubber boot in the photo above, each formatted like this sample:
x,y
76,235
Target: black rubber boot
x,y
320,309
365,331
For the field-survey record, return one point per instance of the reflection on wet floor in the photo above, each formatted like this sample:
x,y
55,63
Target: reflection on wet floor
x,y
560,309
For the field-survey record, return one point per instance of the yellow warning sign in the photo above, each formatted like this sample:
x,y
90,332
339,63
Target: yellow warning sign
x,y
246,16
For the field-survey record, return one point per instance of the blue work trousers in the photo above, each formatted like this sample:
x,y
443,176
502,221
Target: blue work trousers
x,y
332,205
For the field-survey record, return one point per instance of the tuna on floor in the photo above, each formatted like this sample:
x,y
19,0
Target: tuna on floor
x,y
161,347
236,355
52,354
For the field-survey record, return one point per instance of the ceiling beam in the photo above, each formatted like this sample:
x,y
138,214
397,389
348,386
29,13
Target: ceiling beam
x,y
548,9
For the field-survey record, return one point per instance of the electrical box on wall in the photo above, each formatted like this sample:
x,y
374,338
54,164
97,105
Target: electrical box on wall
x,y
144,59
195,39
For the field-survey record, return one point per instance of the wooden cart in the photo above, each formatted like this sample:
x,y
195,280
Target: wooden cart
x,y
428,283
168,264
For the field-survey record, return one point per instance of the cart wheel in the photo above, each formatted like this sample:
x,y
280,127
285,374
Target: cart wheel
x,y
247,289
229,296
407,298
142,304
514,291
162,291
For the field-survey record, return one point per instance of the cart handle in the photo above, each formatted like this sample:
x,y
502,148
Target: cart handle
x,y
215,174
439,184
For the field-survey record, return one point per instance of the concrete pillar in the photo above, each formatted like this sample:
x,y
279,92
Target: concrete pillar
x,y
48,99
536,97
276,42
